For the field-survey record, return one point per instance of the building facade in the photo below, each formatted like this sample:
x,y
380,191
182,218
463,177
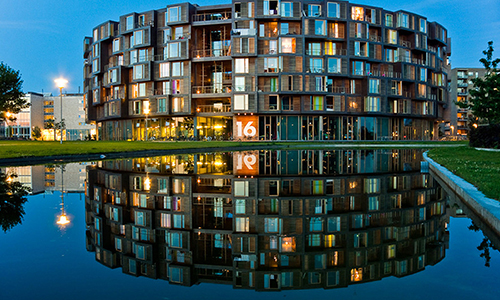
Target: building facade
x,y
20,125
44,109
326,219
267,70
460,85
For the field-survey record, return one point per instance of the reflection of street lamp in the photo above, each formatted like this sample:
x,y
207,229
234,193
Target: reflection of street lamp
x,y
63,219
61,83
146,111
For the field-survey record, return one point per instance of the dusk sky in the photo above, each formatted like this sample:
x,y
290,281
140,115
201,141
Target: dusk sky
x,y
44,38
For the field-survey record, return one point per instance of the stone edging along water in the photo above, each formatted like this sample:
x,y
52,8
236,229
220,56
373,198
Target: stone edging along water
x,y
485,208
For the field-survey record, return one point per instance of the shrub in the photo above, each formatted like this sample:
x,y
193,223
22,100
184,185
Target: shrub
x,y
485,136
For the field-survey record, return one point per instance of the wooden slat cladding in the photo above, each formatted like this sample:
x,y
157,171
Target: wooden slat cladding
x,y
243,45
292,64
291,83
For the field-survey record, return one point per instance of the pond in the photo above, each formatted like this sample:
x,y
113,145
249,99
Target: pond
x,y
345,224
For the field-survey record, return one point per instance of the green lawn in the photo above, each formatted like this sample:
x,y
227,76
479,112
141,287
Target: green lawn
x,y
17,149
20,149
481,168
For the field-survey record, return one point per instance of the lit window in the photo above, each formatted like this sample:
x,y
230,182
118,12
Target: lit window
x,y
240,103
357,13
241,65
287,45
164,69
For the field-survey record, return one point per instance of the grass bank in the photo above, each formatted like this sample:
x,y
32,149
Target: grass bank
x,y
481,168
26,149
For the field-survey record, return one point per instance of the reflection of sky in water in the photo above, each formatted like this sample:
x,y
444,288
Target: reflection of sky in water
x,y
40,261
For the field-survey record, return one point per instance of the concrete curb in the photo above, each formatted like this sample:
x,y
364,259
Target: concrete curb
x,y
485,208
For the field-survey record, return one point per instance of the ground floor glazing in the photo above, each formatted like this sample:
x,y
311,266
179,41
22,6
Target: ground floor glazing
x,y
269,128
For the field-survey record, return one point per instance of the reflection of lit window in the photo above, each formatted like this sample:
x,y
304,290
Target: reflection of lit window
x,y
357,274
271,225
357,13
241,188
240,206
288,244
391,251
329,240
314,277
242,224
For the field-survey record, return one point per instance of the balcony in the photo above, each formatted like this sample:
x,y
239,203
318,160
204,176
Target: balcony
x,y
212,53
389,74
212,17
375,38
116,96
214,108
336,89
244,31
462,84
211,90
404,94
404,43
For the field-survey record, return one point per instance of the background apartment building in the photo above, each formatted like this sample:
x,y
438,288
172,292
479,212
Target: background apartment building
x,y
43,109
267,70
460,85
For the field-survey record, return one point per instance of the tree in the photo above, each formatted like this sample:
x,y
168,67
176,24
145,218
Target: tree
x,y
11,96
50,124
13,196
485,97
36,133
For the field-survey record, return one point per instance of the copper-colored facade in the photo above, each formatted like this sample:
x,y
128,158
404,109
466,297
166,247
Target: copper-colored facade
x,y
267,70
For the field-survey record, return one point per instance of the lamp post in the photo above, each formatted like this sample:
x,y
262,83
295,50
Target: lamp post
x,y
146,111
61,83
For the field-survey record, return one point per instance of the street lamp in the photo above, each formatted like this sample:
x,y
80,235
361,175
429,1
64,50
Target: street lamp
x,y
452,127
146,111
61,83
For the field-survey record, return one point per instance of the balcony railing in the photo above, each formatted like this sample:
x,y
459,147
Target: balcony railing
x,y
375,38
265,88
115,96
389,74
406,94
336,89
244,31
269,33
222,89
214,108
212,53
243,88
226,15
404,43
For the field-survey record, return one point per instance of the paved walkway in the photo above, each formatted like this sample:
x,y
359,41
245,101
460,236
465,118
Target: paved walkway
x,y
485,208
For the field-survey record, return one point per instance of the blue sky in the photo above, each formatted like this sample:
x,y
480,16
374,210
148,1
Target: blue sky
x,y
44,38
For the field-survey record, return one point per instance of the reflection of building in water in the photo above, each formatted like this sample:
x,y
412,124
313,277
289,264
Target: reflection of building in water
x,y
49,178
29,176
267,220
71,175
